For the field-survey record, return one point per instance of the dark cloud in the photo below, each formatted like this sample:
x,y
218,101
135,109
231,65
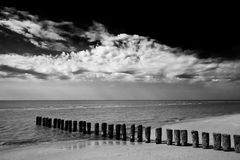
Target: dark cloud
x,y
12,42
42,33
80,71
16,72
186,76
128,71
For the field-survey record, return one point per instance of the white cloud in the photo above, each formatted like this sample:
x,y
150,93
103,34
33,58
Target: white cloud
x,y
120,57
136,59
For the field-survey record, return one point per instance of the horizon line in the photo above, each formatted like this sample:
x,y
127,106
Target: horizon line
x,y
119,99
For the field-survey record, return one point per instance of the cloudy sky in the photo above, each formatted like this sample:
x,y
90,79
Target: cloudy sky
x,y
123,52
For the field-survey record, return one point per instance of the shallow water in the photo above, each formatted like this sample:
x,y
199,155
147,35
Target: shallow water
x,y
17,118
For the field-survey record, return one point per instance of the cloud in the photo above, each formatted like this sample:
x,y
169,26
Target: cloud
x,y
45,34
119,57
10,72
125,58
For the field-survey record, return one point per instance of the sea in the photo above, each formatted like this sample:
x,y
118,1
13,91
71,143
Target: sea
x,y
18,118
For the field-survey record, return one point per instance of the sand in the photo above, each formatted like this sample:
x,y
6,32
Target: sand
x,y
119,150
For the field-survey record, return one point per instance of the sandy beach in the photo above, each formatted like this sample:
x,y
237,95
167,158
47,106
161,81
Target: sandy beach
x,y
120,150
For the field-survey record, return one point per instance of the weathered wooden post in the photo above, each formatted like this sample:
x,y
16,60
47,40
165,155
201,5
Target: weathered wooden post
x,y
44,121
40,121
37,120
195,139
80,126
124,132
139,133
50,123
70,126
148,134
89,128
118,131
184,137
74,126
66,125
177,137
58,123
217,141
205,140
226,142
158,135
47,122
169,136
236,143
55,123
96,129
110,131
62,124
132,133
84,130
104,129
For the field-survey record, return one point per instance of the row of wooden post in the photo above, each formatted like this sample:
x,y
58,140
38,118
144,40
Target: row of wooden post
x,y
220,141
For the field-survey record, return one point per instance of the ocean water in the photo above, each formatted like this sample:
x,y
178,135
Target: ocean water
x,y
17,118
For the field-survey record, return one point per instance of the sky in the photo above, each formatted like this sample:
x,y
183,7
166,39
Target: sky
x,y
118,51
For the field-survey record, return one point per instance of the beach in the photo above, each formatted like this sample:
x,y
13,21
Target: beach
x,y
120,150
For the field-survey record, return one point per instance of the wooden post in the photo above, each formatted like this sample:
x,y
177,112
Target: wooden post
x,y
132,133
37,120
47,121
184,137
55,123
148,134
226,142
110,131
158,135
177,137
96,129
89,128
40,121
66,125
70,126
124,132
236,143
139,133
80,126
50,123
84,123
104,129
44,121
58,123
216,141
74,126
169,136
205,140
118,131
62,124
195,139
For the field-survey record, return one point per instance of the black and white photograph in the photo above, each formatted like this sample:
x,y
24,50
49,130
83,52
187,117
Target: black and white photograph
x,y
119,80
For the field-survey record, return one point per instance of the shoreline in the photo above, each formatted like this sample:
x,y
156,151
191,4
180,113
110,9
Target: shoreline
x,y
113,149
